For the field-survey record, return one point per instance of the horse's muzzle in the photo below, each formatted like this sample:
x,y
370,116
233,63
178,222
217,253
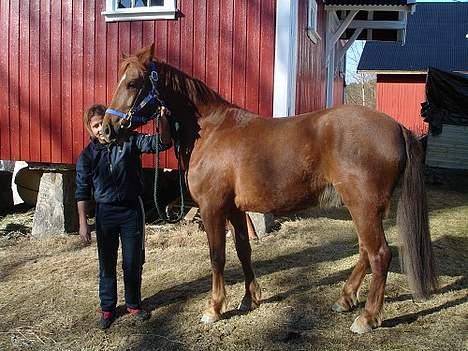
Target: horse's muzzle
x,y
107,132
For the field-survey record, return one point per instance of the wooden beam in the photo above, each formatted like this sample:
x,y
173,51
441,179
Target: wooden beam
x,y
377,24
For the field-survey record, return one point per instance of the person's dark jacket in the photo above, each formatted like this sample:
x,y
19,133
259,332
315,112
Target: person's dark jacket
x,y
112,172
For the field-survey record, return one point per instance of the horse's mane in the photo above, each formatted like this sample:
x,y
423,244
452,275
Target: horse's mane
x,y
192,88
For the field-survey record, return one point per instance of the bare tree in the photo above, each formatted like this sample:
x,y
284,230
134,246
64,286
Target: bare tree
x,y
360,89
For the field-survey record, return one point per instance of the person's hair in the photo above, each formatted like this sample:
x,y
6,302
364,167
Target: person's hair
x,y
94,110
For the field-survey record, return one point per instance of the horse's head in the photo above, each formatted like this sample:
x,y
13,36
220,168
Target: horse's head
x,y
135,99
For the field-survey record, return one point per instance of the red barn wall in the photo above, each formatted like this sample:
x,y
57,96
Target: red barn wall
x,y
311,70
57,57
400,96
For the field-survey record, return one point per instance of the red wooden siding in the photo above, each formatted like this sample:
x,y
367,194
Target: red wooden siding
x,y
400,96
59,57
311,71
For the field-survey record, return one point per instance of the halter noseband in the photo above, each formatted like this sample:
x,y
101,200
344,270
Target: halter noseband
x,y
152,98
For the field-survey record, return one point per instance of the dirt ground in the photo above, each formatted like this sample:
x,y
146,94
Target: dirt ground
x,y
48,288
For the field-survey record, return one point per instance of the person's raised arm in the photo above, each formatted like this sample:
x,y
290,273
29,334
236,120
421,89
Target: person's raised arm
x,y
149,143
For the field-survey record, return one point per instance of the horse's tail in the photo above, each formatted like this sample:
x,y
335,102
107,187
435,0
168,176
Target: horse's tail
x,y
416,256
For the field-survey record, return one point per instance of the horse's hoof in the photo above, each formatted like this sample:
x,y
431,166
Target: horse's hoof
x,y
346,303
209,318
337,307
360,326
247,305
243,307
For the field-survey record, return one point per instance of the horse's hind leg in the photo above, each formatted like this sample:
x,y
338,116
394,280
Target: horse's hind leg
x,y
374,250
252,296
350,294
214,224
367,208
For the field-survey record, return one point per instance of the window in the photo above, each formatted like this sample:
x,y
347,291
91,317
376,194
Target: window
x,y
312,22
138,10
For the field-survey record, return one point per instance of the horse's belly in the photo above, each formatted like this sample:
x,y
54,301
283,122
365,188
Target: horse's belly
x,y
273,200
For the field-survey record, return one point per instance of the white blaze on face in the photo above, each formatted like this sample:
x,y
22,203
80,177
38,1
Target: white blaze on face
x,y
130,98
121,80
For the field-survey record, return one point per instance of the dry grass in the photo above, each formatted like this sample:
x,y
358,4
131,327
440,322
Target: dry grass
x,y
48,290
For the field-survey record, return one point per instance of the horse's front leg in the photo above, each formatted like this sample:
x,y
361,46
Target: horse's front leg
x,y
253,293
214,224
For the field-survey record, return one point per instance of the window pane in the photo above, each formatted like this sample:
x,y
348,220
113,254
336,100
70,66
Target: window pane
x,y
124,4
140,3
156,2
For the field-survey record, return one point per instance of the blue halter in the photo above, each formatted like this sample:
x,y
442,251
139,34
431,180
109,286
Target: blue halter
x,y
152,99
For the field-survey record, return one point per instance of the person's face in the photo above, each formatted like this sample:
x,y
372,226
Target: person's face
x,y
96,127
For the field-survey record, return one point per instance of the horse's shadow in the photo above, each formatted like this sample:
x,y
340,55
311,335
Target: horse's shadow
x,y
300,326
307,259
303,259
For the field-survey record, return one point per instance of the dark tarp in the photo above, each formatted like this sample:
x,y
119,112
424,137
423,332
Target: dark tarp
x,y
446,100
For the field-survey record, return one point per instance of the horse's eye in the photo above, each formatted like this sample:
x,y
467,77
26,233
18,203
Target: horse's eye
x,y
133,84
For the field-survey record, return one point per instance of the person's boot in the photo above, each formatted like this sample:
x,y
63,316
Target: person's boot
x,y
107,317
139,314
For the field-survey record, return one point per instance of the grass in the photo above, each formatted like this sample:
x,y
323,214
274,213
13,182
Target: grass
x,y
48,289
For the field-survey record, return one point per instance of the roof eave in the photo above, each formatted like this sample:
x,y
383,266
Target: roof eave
x,y
383,71
406,8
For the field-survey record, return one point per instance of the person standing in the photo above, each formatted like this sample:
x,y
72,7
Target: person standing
x,y
111,175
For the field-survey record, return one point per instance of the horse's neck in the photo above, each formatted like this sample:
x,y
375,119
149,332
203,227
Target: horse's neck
x,y
207,106
180,84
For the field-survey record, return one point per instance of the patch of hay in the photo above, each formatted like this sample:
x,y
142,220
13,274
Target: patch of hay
x,y
48,290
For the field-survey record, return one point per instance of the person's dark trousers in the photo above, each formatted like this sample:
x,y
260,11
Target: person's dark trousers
x,y
126,221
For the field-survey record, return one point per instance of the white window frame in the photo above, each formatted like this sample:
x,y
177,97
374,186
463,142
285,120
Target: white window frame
x,y
114,14
312,13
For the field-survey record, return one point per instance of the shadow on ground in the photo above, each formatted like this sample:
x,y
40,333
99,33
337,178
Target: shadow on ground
x,y
310,311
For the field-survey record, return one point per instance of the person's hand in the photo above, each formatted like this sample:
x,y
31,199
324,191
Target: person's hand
x,y
85,233
164,128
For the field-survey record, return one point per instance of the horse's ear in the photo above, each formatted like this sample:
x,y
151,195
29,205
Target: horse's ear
x,y
146,54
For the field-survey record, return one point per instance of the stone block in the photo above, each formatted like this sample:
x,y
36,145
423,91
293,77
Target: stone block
x,y
56,211
263,223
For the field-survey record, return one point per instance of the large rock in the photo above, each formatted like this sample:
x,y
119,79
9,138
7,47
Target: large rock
x,y
263,223
56,207
6,195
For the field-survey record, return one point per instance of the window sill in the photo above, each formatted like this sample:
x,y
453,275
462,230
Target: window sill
x,y
118,16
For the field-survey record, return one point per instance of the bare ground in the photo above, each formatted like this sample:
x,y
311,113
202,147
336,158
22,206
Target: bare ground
x,y
48,289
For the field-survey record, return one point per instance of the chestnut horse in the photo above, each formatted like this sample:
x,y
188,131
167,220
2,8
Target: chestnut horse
x,y
239,162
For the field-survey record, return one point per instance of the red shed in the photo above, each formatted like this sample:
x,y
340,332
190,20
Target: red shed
x,y
437,37
272,57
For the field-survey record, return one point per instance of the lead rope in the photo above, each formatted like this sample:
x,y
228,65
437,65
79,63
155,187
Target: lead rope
x,y
164,216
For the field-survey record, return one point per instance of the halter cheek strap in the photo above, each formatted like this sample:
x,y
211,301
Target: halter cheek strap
x,y
152,98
